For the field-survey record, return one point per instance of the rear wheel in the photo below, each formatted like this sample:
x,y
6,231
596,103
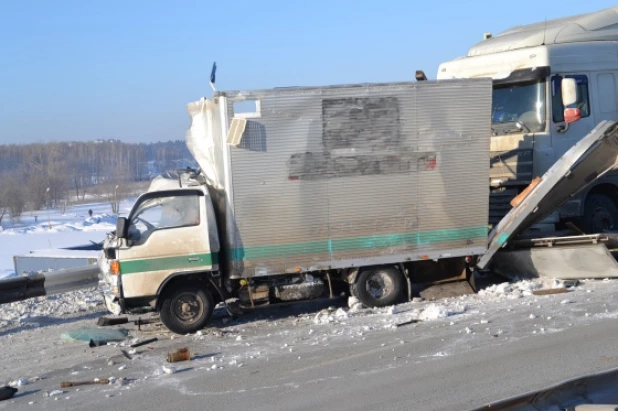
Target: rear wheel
x,y
378,287
186,309
600,214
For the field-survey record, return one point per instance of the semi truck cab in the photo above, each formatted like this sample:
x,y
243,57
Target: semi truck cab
x,y
533,122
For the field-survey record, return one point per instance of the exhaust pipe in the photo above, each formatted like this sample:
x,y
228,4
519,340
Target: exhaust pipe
x,y
48,283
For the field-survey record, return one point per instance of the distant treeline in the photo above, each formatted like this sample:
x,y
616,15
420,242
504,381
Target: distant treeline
x,y
34,176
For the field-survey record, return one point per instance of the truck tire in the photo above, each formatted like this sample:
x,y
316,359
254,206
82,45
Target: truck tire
x,y
378,287
600,214
186,309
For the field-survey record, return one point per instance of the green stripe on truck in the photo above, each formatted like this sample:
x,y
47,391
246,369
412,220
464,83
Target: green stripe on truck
x,y
312,247
168,263
359,243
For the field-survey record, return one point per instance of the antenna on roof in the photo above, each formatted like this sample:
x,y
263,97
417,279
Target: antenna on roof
x,y
544,30
213,74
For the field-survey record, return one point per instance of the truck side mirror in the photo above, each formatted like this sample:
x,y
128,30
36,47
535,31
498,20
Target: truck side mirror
x,y
569,91
571,115
121,227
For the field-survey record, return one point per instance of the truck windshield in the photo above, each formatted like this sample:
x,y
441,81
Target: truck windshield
x,y
518,107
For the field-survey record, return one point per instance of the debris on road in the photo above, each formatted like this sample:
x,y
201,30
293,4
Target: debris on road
x,y
7,392
96,336
549,291
126,354
139,322
182,354
53,393
19,383
98,343
140,343
168,370
67,384
106,321
408,322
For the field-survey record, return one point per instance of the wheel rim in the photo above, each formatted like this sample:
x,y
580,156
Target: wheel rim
x,y
602,220
379,285
187,307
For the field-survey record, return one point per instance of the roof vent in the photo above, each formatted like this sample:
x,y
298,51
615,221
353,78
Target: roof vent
x,y
486,36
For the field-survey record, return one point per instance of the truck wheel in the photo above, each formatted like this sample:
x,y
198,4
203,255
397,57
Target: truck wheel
x,y
378,287
600,214
186,309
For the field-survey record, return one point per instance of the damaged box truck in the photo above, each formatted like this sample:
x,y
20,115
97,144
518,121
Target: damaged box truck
x,y
302,189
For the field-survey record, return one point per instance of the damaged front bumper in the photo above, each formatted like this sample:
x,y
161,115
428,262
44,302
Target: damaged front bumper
x,y
109,285
111,299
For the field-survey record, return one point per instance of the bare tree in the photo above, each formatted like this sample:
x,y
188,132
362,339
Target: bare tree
x,y
51,171
12,198
4,209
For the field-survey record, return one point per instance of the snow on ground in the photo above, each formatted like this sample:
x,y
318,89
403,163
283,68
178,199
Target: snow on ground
x,y
49,310
501,314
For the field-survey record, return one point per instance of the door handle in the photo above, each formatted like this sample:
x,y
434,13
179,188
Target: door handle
x,y
194,259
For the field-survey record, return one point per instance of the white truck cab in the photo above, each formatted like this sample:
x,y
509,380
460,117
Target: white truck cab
x,y
553,82
170,233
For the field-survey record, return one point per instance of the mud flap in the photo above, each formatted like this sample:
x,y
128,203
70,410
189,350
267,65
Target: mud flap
x,y
564,262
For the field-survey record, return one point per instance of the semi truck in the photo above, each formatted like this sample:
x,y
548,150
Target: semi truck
x,y
532,124
301,190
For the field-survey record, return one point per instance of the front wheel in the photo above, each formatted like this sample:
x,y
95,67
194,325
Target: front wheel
x,y
378,287
600,214
186,309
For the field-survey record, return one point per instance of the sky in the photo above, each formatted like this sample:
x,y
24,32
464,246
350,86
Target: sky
x,y
83,70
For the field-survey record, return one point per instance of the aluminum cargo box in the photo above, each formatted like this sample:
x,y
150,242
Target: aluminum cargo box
x,y
328,177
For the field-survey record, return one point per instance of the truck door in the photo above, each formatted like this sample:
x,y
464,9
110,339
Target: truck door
x,y
166,236
606,102
563,136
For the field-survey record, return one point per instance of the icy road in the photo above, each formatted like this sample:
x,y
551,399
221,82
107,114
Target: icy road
x,y
464,352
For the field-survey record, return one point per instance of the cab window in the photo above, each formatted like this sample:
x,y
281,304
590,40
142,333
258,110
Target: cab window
x,y
163,212
583,104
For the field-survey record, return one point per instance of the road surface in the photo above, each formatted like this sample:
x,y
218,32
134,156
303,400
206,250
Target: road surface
x,y
292,360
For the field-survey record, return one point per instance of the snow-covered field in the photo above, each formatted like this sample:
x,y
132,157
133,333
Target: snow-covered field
x,y
51,229
499,314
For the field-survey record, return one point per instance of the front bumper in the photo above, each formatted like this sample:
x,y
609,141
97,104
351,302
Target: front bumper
x,y
111,298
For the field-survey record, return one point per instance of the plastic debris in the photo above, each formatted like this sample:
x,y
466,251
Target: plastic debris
x,y
168,370
19,383
96,336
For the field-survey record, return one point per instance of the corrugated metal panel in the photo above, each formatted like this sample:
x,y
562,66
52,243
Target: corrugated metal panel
x,y
388,172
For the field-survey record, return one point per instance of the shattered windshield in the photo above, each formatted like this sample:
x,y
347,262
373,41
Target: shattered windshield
x,y
518,107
